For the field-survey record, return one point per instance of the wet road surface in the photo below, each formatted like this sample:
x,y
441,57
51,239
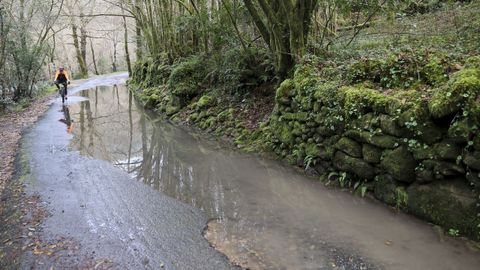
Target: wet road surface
x,y
110,217
101,167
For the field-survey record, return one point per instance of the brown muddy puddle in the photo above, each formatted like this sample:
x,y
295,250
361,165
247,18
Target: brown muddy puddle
x,y
264,214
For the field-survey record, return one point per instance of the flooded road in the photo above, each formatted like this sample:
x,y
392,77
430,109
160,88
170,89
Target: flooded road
x,y
264,215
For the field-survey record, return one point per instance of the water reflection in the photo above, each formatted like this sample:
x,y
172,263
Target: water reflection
x,y
67,119
269,217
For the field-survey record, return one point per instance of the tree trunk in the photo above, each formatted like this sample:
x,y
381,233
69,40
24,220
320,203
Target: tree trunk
x,y
284,26
114,57
81,61
93,58
127,54
138,32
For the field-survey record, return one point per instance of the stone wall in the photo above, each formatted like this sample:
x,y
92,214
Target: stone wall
x,y
417,149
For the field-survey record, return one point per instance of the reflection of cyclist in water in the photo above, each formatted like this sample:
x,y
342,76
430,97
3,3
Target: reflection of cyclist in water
x,y
67,120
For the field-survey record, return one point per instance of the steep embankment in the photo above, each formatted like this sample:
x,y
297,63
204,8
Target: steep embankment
x,y
400,122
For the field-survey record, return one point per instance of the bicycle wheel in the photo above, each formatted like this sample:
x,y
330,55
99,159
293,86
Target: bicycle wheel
x,y
62,93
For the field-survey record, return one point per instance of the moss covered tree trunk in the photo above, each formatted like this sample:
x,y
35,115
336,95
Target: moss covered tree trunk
x,y
81,61
284,26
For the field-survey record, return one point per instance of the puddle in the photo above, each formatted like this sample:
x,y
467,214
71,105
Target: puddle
x,y
266,215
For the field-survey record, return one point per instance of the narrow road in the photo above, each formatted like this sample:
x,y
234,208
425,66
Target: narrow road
x,y
127,190
105,217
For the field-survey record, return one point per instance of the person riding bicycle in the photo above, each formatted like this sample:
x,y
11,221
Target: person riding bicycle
x,y
61,77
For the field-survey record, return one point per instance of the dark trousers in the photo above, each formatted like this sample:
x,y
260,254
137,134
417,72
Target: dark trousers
x,y
57,83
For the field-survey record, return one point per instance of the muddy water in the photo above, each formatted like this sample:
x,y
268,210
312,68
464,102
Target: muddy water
x,y
264,214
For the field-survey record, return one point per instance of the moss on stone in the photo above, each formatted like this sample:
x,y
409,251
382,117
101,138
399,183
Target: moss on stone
x,y
298,116
422,152
226,115
464,86
424,175
429,133
206,101
325,91
472,160
357,166
384,189
447,150
364,122
358,100
390,126
285,134
460,131
417,113
304,76
285,92
383,141
448,203
400,164
171,110
349,147
184,80
371,153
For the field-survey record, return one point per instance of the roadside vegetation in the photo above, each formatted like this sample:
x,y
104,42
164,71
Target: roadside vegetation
x,y
381,97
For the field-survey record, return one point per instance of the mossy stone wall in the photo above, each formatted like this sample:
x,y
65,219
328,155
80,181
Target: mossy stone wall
x,y
415,149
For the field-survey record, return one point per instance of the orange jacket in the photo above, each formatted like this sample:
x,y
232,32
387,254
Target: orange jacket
x,y
57,73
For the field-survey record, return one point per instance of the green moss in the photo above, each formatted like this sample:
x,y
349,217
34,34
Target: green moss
x,y
400,70
358,167
448,204
422,152
384,189
371,153
473,62
460,131
185,78
204,102
447,150
429,133
417,113
325,91
464,86
349,147
171,110
285,133
382,141
400,164
389,125
365,70
357,101
285,92
434,71
472,160
424,175
226,115
364,122
304,76
299,116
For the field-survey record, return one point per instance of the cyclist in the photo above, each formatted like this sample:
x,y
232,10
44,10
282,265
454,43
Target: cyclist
x,y
61,77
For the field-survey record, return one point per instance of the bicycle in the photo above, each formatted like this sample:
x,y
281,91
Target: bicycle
x,y
62,91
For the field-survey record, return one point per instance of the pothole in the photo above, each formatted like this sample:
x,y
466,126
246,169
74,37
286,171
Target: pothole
x,y
235,248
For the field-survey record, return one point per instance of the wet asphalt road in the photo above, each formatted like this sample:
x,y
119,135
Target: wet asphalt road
x,y
104,212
